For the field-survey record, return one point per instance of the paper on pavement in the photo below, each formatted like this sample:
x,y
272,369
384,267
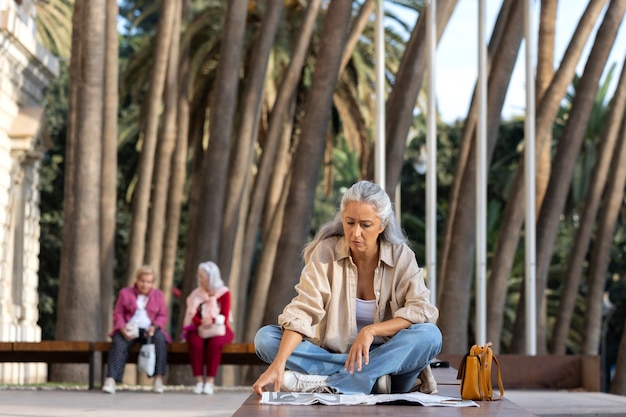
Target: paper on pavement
x,y
306,398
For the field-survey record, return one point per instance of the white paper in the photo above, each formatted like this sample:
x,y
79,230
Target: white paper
x,y
306,398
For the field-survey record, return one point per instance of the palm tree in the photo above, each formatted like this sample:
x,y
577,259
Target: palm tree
x,y
165,149
54,25
459,238
403,96
273,163
567,150
216,159
497,285
108,194
178,169
141,197
592,200
308,156
239,172
546,111
79,300
612,205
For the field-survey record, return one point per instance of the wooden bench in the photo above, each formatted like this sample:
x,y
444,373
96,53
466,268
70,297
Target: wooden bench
x,y
82,352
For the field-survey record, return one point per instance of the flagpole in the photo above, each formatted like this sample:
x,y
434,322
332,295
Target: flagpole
x,y
481,183
380,95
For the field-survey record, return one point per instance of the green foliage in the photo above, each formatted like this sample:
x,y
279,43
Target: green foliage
x,y
51,205
54,25
345,172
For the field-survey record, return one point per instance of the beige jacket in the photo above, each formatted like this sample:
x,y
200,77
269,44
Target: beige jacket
x,y
324,309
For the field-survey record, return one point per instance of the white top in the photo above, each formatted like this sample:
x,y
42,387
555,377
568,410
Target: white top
x,y
365,310
141,315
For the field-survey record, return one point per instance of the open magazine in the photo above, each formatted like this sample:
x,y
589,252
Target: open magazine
x,y
305,398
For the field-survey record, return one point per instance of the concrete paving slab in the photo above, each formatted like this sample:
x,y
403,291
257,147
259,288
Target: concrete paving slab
x,y
124,403
182,402
569,403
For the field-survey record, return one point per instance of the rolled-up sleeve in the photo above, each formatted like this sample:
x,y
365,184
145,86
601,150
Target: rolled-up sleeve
x,y
308,307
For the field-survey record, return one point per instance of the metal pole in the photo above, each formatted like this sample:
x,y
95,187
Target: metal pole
x,y
431,161
379,165
529,178
481,183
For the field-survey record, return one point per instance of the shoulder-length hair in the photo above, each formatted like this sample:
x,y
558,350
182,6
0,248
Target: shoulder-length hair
x,y
363,192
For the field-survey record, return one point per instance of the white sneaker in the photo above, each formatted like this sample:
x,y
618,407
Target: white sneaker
x,y
383,385
109,385
297,382
198,388
208,388
158,386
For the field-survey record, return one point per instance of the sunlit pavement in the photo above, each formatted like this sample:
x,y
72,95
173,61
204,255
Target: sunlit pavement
x,y
175,401
182,402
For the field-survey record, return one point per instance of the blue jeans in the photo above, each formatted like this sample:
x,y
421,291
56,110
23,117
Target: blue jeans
x,y
403,357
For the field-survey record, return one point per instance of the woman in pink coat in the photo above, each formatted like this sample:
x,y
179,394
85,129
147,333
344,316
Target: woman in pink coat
x,y
206,326
140,312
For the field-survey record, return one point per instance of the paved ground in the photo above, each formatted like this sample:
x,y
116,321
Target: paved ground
x,y
175,401
569,403
181,402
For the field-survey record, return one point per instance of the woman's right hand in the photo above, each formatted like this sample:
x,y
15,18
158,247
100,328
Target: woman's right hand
x,y
273,375
124,333
275,372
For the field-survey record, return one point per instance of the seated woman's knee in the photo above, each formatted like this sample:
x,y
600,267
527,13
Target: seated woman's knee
x,y
265,338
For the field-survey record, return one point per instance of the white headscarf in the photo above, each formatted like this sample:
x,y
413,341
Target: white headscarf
x,y
214,275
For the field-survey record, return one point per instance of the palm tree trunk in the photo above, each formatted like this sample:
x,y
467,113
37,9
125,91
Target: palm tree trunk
x,y
509,233
217,156
178,170
265,268
545,72
79,308
308,156
141,197
568,148
196,138
584,233
240,170
280,122
69,197
404,94
600,257
463,155
455,306
108,195
466,144
359,24
498,283
164,152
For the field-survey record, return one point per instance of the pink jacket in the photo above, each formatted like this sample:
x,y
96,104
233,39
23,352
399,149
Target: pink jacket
x,y
126,305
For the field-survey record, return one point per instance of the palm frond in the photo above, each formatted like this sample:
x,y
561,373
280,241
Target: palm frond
x,y
54,25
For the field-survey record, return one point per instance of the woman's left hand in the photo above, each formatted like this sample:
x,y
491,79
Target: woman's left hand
x,y
359,353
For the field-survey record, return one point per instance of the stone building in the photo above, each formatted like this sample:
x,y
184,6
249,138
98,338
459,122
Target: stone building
x,y
26,68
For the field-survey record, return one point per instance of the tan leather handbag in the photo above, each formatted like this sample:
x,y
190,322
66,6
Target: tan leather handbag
x,y
475,374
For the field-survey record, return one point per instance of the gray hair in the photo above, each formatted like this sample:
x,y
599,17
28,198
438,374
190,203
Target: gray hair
x,y
362,192
213,273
